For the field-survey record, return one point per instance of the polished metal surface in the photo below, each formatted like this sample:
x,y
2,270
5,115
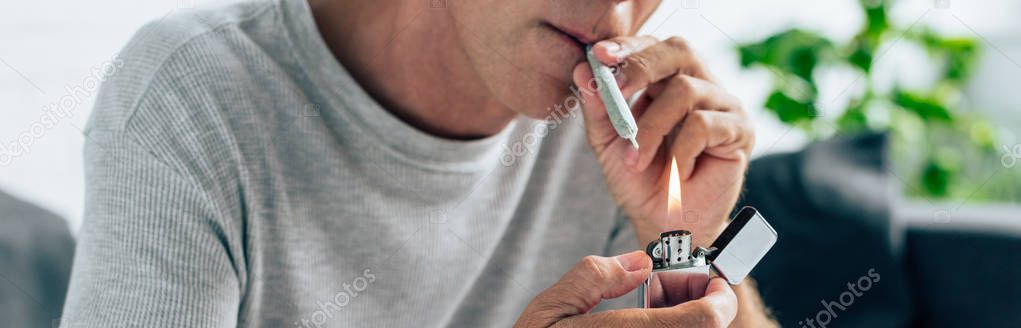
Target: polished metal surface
x,y
739,256
673,286
680,274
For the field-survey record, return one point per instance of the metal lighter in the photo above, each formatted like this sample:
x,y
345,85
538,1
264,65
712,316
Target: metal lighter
x,y
680,274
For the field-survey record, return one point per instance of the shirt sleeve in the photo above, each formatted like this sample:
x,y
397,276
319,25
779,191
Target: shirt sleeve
x,y
152,251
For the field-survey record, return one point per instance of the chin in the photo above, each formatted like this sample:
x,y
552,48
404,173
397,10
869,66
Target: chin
x,y
541,97
548,105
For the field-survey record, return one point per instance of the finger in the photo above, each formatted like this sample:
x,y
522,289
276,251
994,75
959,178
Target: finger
x,y
673,102
592,280
613,51
615,318
657,62
722,135
716,309
596,278
598,128
587,89
720,300
597,122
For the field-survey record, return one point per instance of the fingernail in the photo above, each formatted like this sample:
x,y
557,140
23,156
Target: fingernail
x,y
631,156
634,261
612,48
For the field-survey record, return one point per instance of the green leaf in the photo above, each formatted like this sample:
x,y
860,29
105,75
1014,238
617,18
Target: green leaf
x,y
961,56
795,51
854,118
790,110
936,179
982,135
926,107
940,172
862,54
862,48
876,19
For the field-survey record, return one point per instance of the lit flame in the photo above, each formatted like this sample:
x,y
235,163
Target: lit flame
x,y
674,192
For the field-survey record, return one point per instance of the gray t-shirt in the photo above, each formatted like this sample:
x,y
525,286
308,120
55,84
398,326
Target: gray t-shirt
x,y
238,175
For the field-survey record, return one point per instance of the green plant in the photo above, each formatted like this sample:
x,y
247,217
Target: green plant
x,y
935,134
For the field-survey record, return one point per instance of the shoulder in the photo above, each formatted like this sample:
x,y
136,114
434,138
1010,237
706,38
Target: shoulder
x,y
175,88
172,59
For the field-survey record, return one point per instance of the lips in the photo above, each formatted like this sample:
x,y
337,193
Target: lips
x,y
575,35
564,49
584,38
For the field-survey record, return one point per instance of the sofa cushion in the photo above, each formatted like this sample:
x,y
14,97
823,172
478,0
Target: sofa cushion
x,y
837,259
36,250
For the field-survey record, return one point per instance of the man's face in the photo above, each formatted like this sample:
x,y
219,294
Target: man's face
x,y
525,51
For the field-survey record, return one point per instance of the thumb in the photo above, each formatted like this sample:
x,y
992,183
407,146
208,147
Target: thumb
x,y
592,280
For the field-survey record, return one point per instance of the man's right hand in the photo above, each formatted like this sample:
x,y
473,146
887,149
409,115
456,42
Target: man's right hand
x,y
595,278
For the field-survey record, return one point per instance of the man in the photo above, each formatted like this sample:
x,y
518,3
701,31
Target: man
x,y
398,163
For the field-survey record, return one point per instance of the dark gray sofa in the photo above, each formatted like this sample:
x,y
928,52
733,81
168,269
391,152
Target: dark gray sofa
x,y
36,249
839,217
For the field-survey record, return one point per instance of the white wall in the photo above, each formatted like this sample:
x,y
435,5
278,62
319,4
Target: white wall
x,y
50,47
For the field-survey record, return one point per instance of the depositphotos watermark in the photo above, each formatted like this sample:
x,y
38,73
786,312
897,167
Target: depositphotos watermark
x,y
830,308
556,117
569,107
341,299
1010,156
57,111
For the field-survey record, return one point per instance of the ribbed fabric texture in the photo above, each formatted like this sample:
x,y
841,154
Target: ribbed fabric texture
x,y
236,175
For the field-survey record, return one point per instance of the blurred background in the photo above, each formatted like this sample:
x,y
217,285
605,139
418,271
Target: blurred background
x,y
901,115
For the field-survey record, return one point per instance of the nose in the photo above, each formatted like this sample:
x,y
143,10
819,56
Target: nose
x,y
617,19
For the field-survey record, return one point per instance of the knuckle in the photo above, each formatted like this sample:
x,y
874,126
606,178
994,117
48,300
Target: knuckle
x,y
640,64
538,313
583,286
696,67
700,119
735,102
684,84
703,308
707,316
714,322
592,267
589,260
678,43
